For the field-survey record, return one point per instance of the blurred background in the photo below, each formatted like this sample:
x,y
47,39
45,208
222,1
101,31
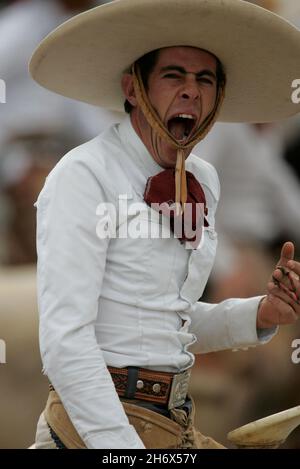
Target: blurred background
x,y
259,171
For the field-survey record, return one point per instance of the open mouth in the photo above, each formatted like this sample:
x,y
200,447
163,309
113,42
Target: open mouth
x,y
182,126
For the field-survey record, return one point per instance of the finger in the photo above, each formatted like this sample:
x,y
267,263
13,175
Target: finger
x,y
282,275
279,276
287,253
288,299
295,284
294,266
294,276
285,313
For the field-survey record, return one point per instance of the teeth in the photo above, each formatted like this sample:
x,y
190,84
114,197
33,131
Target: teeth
x,y
185,116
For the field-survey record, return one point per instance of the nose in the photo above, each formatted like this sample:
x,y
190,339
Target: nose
x,y
190,89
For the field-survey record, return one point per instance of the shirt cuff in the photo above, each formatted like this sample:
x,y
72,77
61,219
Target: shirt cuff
x,y
265,335
242,327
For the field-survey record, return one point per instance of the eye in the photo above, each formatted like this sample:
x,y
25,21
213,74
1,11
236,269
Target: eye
x,y
174,76
205,80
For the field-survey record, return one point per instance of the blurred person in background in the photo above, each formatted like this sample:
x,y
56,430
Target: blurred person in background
x,y
259,205
291,10
36,126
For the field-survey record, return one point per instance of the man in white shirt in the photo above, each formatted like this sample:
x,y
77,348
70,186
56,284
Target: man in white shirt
x,y
119,314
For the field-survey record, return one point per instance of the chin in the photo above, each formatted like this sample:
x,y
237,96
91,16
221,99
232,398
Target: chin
x,y
170,158
170,163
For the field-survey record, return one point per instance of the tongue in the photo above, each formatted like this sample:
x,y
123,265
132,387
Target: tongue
x,y
177,129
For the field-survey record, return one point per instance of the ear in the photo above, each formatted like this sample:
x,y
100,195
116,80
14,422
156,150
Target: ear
x,y
128,89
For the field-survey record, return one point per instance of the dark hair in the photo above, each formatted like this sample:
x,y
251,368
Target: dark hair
x,y
147,63
221,76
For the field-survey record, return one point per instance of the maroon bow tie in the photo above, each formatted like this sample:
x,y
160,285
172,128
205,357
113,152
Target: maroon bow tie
x,y
160,196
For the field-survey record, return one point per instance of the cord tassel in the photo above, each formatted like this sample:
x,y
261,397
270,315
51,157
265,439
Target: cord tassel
x,y
180,182
178,185
183,183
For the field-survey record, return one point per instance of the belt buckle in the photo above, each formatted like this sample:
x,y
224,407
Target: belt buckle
x,y
179,389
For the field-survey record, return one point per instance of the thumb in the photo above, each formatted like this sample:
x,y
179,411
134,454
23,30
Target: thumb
x,y
287,253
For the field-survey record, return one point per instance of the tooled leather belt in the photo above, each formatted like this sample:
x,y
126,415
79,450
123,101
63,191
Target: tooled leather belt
x,y
157,387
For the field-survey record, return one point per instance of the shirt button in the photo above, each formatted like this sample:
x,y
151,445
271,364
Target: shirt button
x,y
212,234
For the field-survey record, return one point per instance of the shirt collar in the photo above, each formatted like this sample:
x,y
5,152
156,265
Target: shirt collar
x,y
136,149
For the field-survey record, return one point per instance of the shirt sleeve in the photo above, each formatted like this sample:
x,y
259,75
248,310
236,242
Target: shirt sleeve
x,y
71,265
230,324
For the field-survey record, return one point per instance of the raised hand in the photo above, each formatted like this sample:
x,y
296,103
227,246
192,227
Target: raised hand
x,y
282,303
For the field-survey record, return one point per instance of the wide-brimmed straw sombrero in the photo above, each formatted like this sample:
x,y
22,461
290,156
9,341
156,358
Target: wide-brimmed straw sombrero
x,y
85,57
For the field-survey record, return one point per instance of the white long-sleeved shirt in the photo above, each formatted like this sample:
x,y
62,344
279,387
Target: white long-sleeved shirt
x,y
122,301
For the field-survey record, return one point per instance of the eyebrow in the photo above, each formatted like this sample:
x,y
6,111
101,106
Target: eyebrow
x,y
182,70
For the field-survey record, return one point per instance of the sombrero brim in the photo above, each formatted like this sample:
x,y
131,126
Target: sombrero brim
x,y
85,57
